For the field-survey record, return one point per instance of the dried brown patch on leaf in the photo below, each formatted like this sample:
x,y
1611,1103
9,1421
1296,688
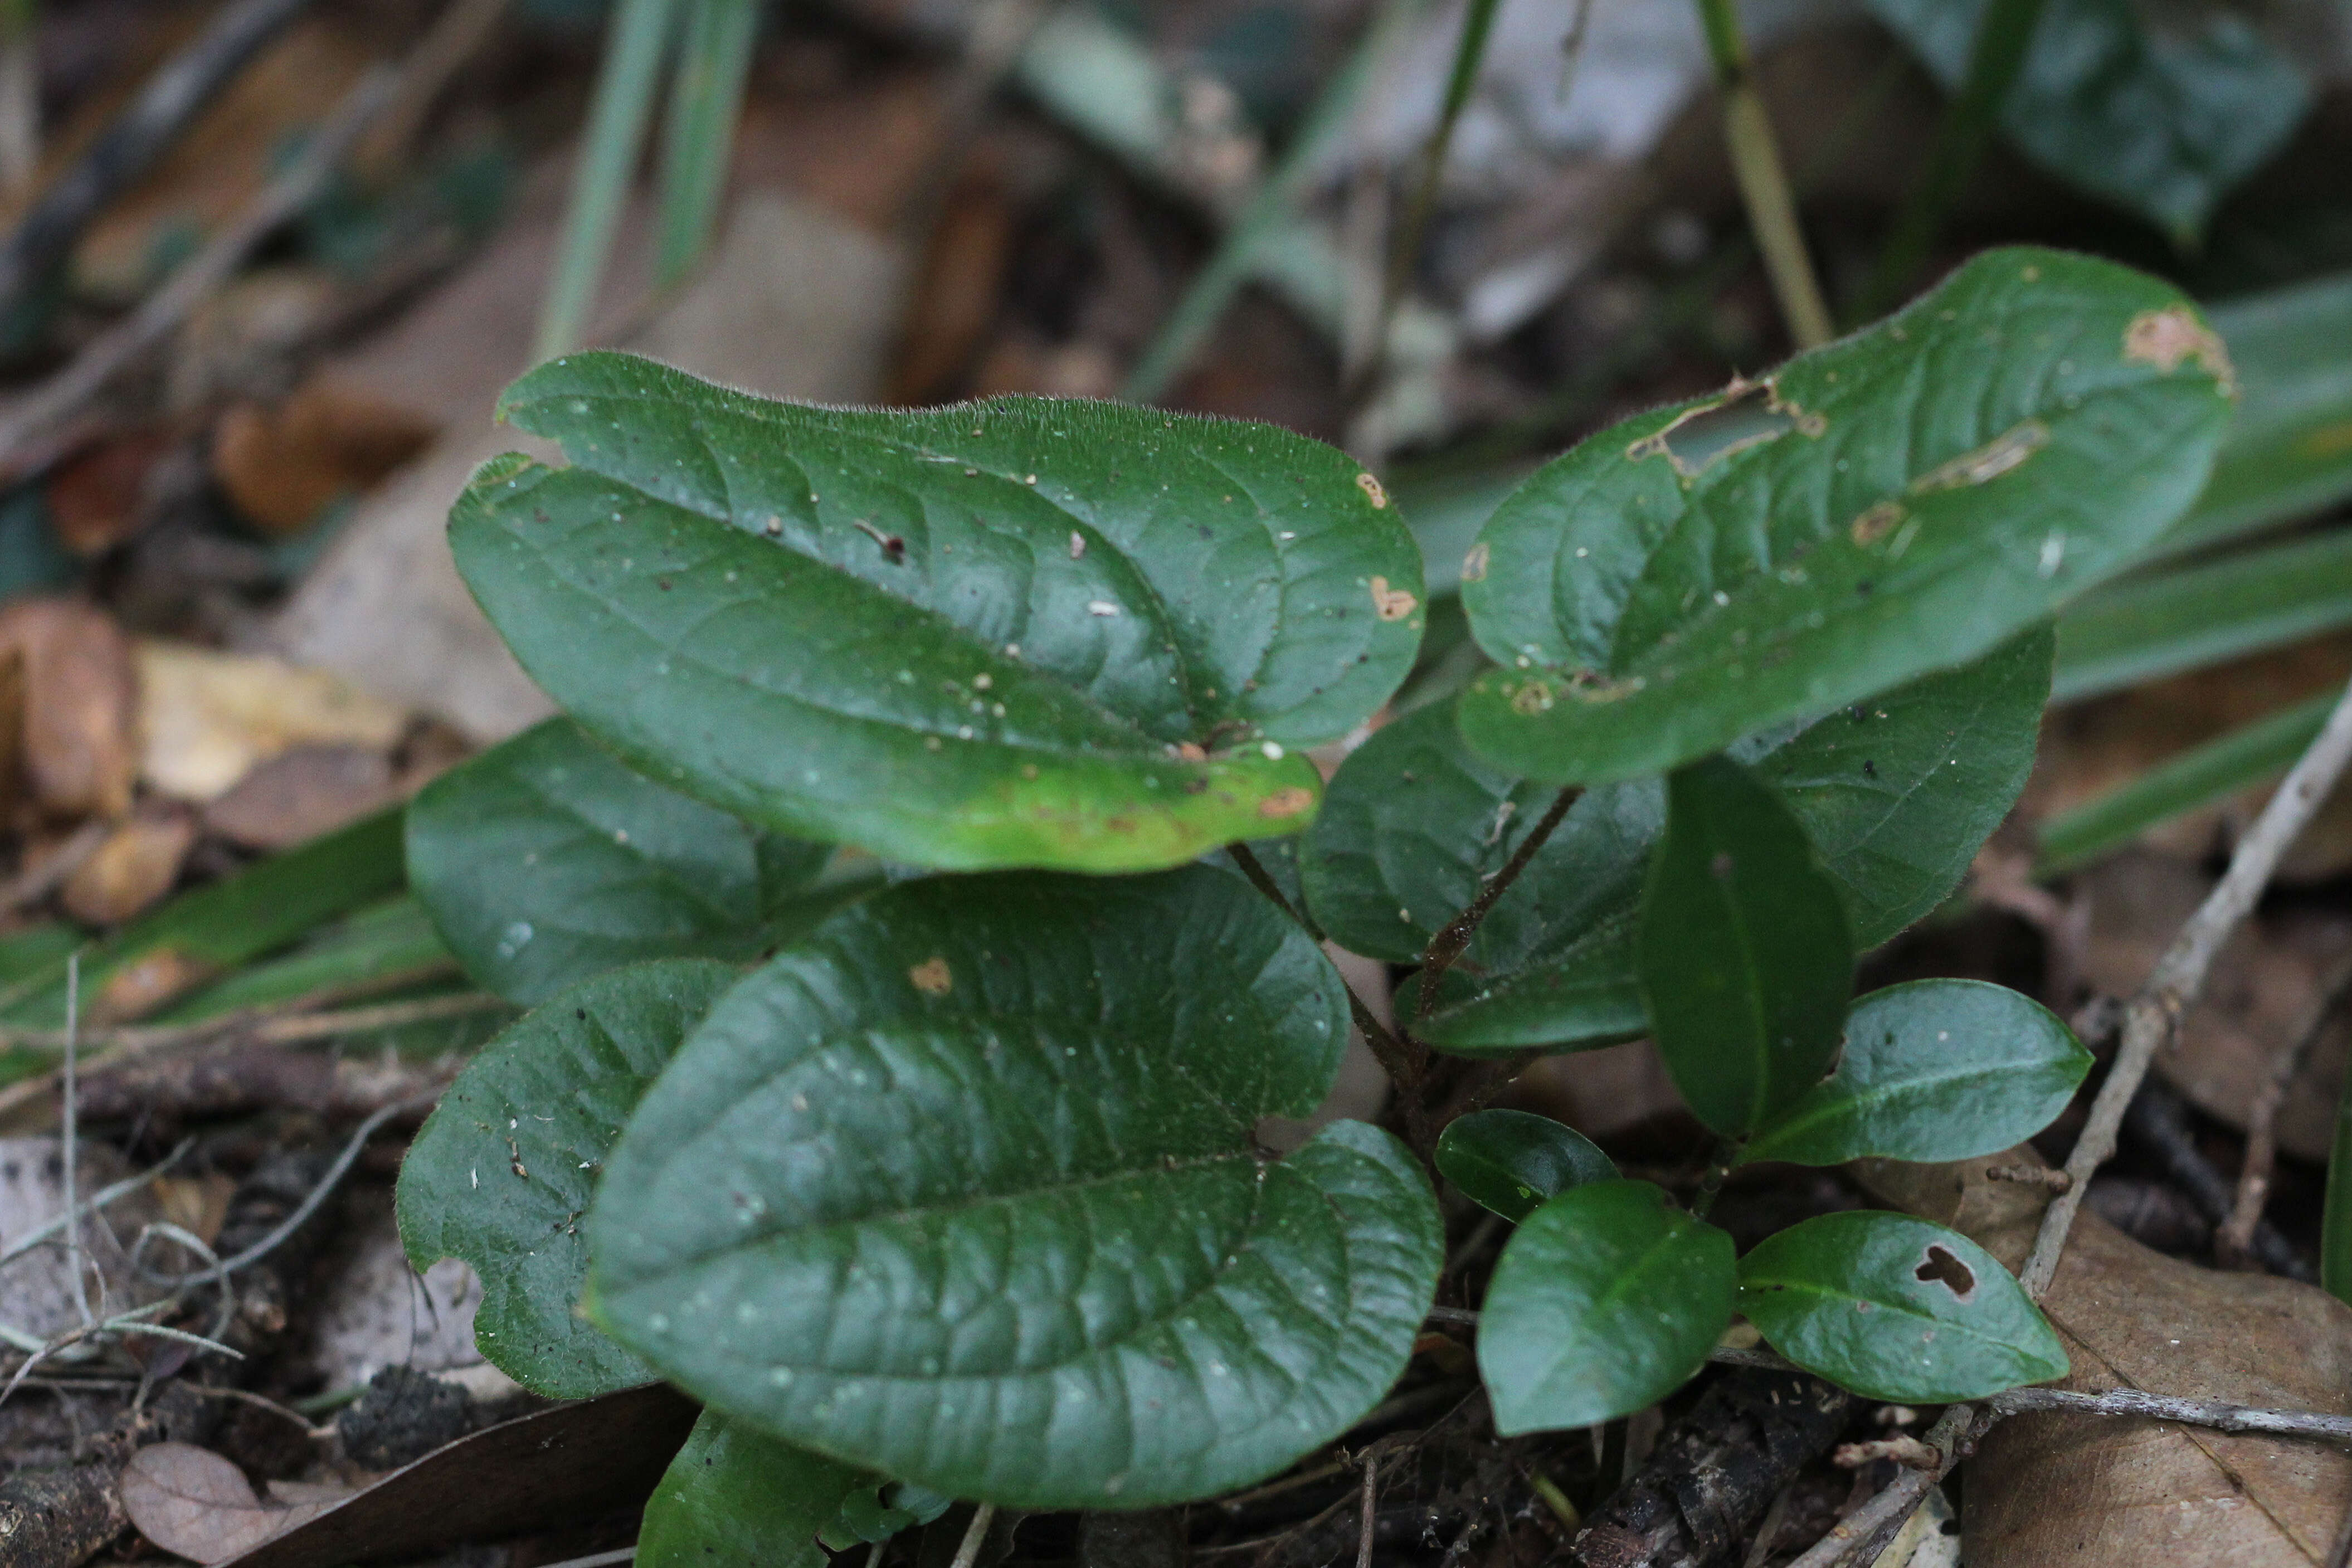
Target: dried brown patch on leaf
x,y
931,977
2005,452
2170,337
1392,604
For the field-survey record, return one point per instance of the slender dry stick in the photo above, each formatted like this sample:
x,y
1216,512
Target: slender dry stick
x,y
1763,183
1863,1533
1365,1516
48,405
2179,976
2188,1412
967,1553
72,1116
2235,1241
1453,938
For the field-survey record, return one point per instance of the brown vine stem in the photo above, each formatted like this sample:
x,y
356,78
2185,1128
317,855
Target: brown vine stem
x,y
2179,976
2234,1243
1454,939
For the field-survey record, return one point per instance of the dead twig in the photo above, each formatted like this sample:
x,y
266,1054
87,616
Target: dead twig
x,y
2180,976
37,417
171,99
1369,1512
1862,1534
2234,1242
2165,1407
977,1531
2158,1120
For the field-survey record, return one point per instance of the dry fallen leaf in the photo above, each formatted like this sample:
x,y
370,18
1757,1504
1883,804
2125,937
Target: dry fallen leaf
x,y
210,717
2258,995
99,495
36,1291
283,466
2099,1491
81,691
191,1501
138,864
299,795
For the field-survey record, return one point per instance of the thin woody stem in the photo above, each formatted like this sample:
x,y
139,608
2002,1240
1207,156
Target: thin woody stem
x,y
1454,940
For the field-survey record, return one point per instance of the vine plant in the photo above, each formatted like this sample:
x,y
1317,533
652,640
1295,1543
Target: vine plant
x,y
906,1013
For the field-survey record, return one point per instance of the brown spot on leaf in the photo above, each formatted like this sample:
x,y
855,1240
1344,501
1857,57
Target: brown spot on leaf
x,y
1530,699
1996,457
1473,566
1372,490
1394,603
1876,523
1940,1266
2168,338
931,977
1285,803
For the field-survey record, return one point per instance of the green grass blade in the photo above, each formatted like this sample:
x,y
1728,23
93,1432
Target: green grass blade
x,y
600,186
2196,778
2153,627
1274,204
705,99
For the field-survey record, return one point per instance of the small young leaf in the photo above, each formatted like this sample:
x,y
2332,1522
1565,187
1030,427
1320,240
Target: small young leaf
x,y
1605,1301
1899,501
1744,963
878,1511
963,1187
736,1498
1512,1160
1022,632
502,1170
2156,117
545,861
1896,794
1897,1308
1937,1069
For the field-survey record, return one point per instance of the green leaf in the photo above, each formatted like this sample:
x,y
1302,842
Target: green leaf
x,y
1022,632
1935,1069
964,1188
199,936
736,1498
502,1170
2201,777
867,1515
1605,1301
1897,1308
1902,500
371,947
1512,1160
1896,793
1745,961
545,861
2289,451
2190,617
2161,121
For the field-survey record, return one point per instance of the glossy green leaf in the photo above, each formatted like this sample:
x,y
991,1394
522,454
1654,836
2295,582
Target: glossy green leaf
x,y
1743,953
881,1509
1935,1069
2289,451
2199,777
1902,500
2163,117
963,1187
502,1170
1512,1160
736,1498
200,936
1605,1301
1896,794
545,861
1897,1308
1022,632
2189,618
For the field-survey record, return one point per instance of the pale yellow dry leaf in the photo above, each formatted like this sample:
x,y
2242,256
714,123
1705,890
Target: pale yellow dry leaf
x,y
208,717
